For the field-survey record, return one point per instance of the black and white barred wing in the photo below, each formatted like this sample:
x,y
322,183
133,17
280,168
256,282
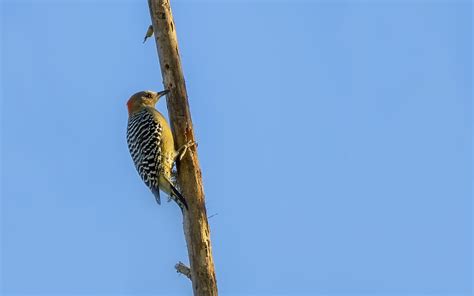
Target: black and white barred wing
x,y
144,141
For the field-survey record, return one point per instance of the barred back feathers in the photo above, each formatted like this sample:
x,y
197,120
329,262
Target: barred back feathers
x,y
144,141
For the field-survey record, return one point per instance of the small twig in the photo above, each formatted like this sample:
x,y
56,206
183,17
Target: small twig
x,y
212,215
183,269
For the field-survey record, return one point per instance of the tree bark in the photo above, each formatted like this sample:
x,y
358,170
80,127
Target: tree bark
x,y
195,224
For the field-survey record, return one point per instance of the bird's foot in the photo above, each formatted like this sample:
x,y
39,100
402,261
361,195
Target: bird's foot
x,y
183,149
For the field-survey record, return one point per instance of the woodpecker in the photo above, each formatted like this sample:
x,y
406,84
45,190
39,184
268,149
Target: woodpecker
x,y
151,145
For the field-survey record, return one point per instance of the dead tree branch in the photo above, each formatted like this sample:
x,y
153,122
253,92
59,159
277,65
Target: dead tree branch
x,y
196,227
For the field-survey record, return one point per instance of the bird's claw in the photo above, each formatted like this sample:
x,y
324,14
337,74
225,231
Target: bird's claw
x,y
185,148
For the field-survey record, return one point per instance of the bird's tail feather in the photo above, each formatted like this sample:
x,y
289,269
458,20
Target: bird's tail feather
x,y
170,189
179,197
156,193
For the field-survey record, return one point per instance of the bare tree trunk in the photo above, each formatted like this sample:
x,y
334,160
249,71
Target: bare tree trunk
x,y
196,227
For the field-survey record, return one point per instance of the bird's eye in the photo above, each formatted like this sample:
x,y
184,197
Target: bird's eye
x,y
148,95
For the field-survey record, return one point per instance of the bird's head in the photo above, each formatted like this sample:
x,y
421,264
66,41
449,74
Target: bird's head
x,y
142,99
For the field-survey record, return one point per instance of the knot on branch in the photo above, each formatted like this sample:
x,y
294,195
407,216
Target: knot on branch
x,y
183,269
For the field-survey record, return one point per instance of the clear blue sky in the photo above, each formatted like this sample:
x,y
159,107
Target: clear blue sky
x,y
335,140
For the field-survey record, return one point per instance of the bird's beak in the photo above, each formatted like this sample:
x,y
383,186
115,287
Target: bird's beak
x,y
162,93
